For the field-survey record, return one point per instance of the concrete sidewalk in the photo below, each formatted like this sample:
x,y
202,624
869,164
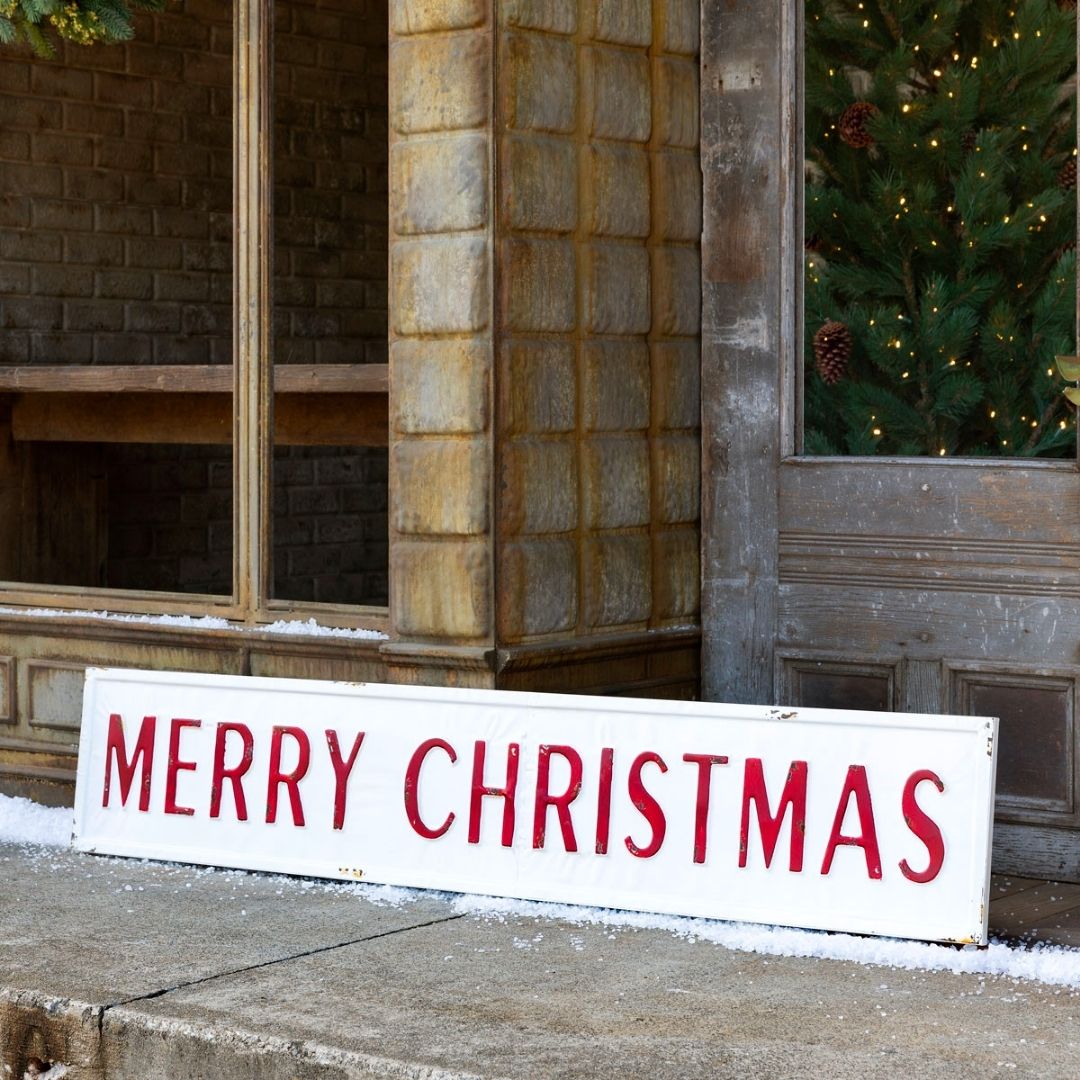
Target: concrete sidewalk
x,y
126,970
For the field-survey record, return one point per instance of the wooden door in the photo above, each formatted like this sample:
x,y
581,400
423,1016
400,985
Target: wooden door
x,y
913,584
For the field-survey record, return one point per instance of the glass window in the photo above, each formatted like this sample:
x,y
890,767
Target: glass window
x,y
940,227
133,456
330,532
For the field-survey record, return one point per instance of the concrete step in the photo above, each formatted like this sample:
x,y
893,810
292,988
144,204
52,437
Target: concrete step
x,y
124,970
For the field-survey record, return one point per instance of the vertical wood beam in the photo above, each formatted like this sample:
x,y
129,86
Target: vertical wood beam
x,y
252,253
749,154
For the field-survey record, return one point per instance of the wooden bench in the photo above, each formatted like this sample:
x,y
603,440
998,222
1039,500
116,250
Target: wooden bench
x,y
314,405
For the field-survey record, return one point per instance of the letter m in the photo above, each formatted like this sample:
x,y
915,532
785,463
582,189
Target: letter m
x,y
794,796
116,753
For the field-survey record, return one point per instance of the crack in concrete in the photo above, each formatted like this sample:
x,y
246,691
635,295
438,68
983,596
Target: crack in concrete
x,y
153,994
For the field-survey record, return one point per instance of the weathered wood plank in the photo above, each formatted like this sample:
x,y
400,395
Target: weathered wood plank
x,y
1031,632
1004,885
897,504
1044,904
921,687
1036,851
192,379
1051,926
749,142
300,419
341,420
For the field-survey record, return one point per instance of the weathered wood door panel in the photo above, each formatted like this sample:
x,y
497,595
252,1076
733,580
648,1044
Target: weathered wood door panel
x,y
910,584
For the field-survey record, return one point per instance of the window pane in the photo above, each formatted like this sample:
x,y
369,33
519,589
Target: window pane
x,y
115,308
940,227
330,305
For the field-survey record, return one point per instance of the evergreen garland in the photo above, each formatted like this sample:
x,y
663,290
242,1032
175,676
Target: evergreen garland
x,y
85,22
941,212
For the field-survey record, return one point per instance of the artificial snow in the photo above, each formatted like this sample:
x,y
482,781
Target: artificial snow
x,y
1051,964
202,622
310,628
296,627
24,822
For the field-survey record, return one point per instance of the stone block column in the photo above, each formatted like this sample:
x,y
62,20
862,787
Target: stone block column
x,y
545,343
441,335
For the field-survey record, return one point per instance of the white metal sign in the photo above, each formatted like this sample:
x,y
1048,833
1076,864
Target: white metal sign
x,y
874,823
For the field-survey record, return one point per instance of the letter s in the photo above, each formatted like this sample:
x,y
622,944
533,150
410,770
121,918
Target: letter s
x,y
923,827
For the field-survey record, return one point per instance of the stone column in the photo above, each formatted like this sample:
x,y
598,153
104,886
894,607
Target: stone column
x,y
441,334
545,318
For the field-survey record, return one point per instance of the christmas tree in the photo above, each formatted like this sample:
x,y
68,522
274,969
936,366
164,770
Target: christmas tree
x,y
940,207
85,22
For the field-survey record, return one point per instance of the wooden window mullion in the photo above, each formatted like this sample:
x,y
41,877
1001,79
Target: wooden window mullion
x,y
253,222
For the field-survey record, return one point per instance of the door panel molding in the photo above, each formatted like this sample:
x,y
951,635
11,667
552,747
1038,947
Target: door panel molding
x,y
1038,768
921,562
817,680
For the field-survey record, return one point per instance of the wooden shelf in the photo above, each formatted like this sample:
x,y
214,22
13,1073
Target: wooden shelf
x,y
314,405
191,379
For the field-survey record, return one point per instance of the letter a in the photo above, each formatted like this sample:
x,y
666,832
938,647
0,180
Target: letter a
x,y
856,785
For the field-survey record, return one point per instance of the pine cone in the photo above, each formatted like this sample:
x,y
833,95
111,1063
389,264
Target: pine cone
x,y
1067,177
832,350
968,141
852,124
1067,5
813,243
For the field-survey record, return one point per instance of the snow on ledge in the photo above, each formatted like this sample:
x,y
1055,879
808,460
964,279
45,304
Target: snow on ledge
x,y
1052,964
311,628
24,822
296,627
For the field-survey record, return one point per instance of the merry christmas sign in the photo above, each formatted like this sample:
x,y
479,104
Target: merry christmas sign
x,y
875,823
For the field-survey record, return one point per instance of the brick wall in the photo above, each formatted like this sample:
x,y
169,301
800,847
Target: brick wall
x,y
116,193
170,520
115,248
331,172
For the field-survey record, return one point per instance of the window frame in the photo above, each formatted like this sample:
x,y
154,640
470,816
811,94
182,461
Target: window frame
x,y
251,601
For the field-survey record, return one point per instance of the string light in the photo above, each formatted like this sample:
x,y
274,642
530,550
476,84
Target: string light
x,y
907,108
